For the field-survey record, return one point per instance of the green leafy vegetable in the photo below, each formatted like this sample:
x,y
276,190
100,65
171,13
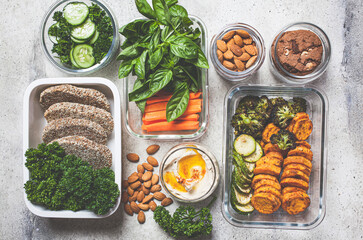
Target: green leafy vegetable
x,y
178,102
144,8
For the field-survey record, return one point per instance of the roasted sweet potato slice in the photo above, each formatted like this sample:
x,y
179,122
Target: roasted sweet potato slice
x,y
291,189
267,169
301,151
268,131
269,160
275,154
265,203
295,202
302,129
262,143
303,143
269,189
293,173
260,177
299,116
266,182
298,160
269,147
293,182
299,167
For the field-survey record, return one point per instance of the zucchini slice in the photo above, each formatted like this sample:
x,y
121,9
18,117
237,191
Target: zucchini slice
x,y
256,155
250,167
76,13
241,198
245,145
243,209
84,31
243,190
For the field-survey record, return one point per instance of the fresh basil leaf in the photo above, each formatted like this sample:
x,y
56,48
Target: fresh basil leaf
x,y
188,71
166,33
153,27
127,43
169,61
193,88
141,93
155,40
194,35
171,2
141,105
140,65
129,52
156,57
144,8
161,78
184,47
125,69
178,11
132,29
201,61
161,11
138,84
178,103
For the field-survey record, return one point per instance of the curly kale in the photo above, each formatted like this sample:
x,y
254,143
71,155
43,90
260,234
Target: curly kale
x,y
284,139
186,221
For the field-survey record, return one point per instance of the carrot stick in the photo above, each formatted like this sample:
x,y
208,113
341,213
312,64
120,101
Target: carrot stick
x,y
161,115
191,117
171,126
159,106
166,98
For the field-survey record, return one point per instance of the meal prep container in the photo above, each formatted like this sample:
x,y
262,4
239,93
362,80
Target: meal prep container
x,y
281,73
181,147
231,75
34,123
317,108
47,44
133,115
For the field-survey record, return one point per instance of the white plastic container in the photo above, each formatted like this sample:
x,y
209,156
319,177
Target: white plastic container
x,y
34,122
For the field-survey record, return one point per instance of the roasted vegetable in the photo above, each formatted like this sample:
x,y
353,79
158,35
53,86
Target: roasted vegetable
x,y
284,139
278,101
250,124
298,105
282,115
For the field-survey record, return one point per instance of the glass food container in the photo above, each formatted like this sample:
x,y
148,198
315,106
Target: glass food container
x,y
47,45
281,73
317,108
232,75
133,115
211,164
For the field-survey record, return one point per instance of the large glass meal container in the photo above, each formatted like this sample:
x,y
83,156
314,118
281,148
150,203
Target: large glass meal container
x,y
317,108
133,115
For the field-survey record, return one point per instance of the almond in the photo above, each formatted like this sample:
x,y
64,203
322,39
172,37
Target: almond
x,y
247,41
220,55
153,162
134,174
228,55
239,64
147,176
251,61
166,202
244,57
236,50
124,197
141,217
152,149
152,205
143,206
228,35
139,176
256,51
154,179
132,157
132,179
238,40
229,65
140,196
135,185
148,166
130,191
125,184
250,49
159,196
230,43
133,197
139,188
128,209
140,169
145,190
134,207
155,188
221,45
148,199
147,184
243,50
243,33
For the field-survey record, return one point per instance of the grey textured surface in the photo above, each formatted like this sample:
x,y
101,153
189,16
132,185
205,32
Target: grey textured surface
x,y
22,61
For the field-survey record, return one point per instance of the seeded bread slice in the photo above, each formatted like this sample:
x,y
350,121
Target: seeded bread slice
x,y
69,93
63,127
98,155
80,111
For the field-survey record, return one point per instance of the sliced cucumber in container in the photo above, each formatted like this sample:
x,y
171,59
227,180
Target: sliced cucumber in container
x,y
76,13
83,55
94,37
256,155
245,145
53,38
78,41
84,31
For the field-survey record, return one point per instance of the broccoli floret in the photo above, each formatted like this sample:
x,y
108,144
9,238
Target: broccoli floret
x,y
278,101
298,105
284,139
282,115
247,103
264,106
251,124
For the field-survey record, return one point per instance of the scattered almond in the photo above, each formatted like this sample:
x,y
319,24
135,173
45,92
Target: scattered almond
x,y
152,149
228,35
148,199
133,197
125,184
159,196
139,175
130,191
236,50
140,196
143,206
243,33
251,61
155,188
135,185
239,64
229,65
140,169
128,209
250,49
141,217
166,202
238,40
154,179
132,179
132,157
134,207
153,162
221,45
145,190
148,166
228,55
134,174
124,197
152,205
147,184
147,176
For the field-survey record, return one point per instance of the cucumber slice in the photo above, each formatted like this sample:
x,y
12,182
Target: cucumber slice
x,y
75,13
94,38
53,38
83,55
72,59
84,31
256,155
77,41
243,209
241,198
245,145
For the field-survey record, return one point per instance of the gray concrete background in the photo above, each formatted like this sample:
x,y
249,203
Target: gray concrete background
x,y
22,61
